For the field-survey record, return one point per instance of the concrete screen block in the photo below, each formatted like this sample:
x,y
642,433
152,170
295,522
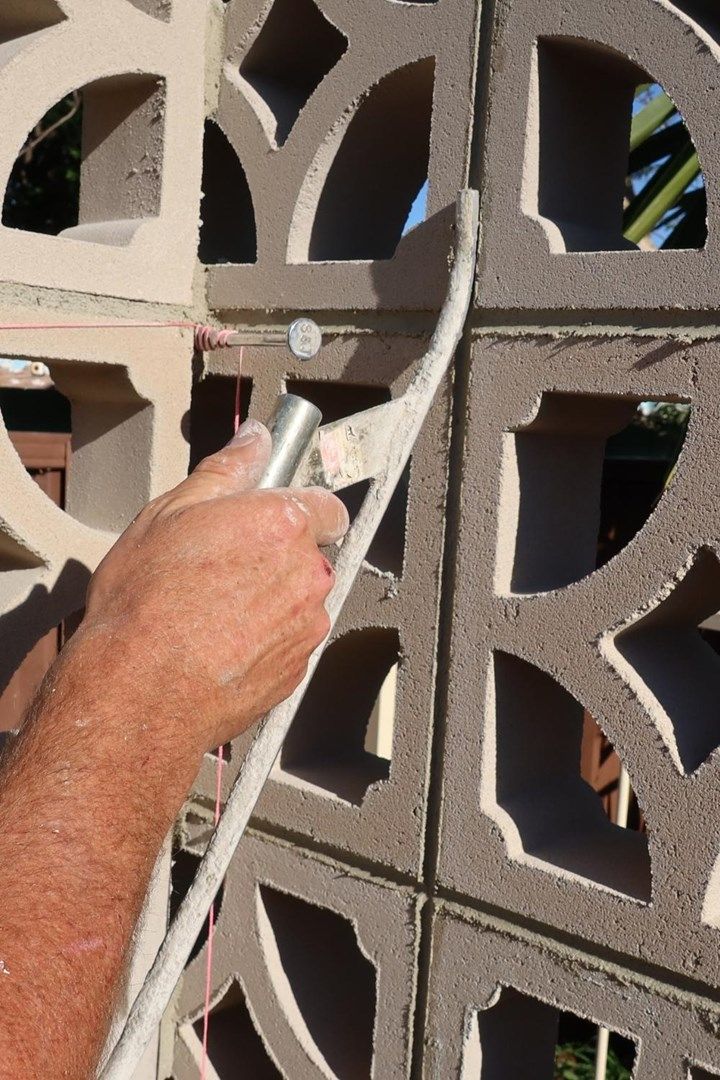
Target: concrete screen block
x,y
128,395
338,133
497,992
358,753
554,183
545,634
141,93
314,972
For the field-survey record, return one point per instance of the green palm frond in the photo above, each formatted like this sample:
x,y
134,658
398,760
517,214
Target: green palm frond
x,y
669,195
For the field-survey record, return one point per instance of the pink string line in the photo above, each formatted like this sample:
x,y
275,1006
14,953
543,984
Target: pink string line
x,y
218,805
207,338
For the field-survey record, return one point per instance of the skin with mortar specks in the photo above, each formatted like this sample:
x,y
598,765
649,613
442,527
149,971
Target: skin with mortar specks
x,y
200,619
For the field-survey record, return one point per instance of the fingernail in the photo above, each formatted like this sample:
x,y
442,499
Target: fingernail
x,y
247,433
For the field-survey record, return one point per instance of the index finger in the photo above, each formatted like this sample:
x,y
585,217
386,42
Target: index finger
x,y
327,515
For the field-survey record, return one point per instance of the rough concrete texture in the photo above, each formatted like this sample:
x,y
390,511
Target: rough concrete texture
x,y
554,184
336,127
328,786
314,972
471,799
539,637
496,992
142,82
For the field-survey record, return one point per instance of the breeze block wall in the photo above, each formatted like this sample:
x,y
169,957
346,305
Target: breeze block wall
x,y
428,883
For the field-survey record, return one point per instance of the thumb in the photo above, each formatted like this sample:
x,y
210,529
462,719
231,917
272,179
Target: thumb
x,y
237,467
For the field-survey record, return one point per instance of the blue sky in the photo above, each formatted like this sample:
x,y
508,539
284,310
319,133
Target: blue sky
x,y
418,210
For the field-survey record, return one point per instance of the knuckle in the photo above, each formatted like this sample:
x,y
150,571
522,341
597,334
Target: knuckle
x,y
214,465
323,576
290,520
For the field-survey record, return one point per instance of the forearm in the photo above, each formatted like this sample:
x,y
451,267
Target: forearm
x,y
87,795
199,620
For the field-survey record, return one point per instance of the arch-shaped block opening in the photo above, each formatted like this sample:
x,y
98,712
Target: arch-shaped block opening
x,y
343,730
296,48
631,177
548,811
378,170
672,660
233,1038
579,480
37,418
318,963
697,1073
91,169
109,423
228,232
336,401
555,1045
19,18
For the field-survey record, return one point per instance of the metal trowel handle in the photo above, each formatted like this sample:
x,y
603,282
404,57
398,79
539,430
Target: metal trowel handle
x,y
292,426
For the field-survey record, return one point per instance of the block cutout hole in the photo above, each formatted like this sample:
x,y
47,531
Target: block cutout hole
x,y
672,660
228,232
555,1045
579,480
72,424
110,423
622,182
378,170
91,169
547,812
185,865
316,959
341,739
696,1073
602,769
336,401
212,413
19,18
234,1039
576,1051
296,48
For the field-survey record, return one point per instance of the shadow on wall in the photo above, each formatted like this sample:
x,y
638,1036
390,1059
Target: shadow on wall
x,y
629,177
38,615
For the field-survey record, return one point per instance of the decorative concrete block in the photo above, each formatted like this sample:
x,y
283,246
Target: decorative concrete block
x,y
554,183
496,992
540,635
336,115
143,80
129,391
314,972
331,784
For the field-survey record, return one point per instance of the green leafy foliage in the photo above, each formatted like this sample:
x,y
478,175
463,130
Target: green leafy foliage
x,y
43,194
666,191
576,1061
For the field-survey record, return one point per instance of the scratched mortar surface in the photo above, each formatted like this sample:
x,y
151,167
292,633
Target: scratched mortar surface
x,y
469,902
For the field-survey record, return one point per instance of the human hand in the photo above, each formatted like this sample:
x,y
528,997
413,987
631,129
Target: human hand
x,y
213,599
